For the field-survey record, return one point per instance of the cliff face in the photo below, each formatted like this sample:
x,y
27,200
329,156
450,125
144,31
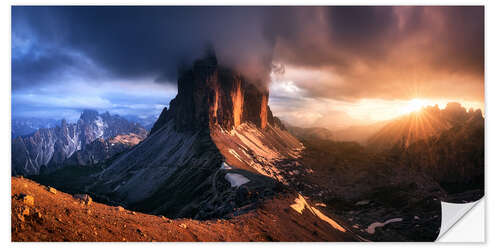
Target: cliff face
x,y
211,95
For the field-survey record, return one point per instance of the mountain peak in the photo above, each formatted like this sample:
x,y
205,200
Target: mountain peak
x,y
89,115
213,95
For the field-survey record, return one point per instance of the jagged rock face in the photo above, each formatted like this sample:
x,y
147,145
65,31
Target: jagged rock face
x,y
209,95
95,125
48,148
103,149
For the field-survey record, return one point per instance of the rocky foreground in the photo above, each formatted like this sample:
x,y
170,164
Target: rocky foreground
x,y
41,213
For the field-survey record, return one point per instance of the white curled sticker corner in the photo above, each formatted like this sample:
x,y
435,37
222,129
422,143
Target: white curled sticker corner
x,y
451,213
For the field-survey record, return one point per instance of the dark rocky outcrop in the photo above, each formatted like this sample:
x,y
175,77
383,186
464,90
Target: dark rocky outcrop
x,y
210,94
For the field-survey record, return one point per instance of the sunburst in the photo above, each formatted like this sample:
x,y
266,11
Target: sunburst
x,y
413,105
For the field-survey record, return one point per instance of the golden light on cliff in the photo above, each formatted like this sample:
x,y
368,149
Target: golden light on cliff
x,y
237,97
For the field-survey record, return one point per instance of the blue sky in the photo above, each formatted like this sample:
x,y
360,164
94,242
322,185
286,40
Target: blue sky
x,y
121,60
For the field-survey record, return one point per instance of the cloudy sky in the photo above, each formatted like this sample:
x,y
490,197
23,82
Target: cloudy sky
x,y
327,66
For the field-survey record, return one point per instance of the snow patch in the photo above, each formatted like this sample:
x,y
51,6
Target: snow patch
x,y
262,150
373,226
300,204
100,126
236,180
225,166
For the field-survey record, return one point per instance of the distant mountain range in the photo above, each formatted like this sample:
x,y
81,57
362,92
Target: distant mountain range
x,y
22,126
25,126
422,124
47,148
146,121
446,144
404,130
357,133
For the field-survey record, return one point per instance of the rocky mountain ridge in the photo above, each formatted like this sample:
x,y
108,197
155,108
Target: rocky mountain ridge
x,y
47,148
427,122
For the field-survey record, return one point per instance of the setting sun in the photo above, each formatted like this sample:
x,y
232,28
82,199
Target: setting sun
x,y
414,105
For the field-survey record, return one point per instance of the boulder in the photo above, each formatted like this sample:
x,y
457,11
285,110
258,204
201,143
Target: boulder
x,y
28,199
85,198
52,190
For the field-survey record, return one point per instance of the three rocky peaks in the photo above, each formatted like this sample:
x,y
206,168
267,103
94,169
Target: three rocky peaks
x,y
210,94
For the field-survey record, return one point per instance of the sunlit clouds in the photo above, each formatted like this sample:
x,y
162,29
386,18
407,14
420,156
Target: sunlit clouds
x,y
295,106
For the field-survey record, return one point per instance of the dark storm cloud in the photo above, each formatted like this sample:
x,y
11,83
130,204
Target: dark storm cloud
x,y
367,50
132,42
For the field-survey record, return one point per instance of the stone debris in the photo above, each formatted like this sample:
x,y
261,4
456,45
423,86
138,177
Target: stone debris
x,y
120,209
20,217
37,215
139,231
25,211
183,225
